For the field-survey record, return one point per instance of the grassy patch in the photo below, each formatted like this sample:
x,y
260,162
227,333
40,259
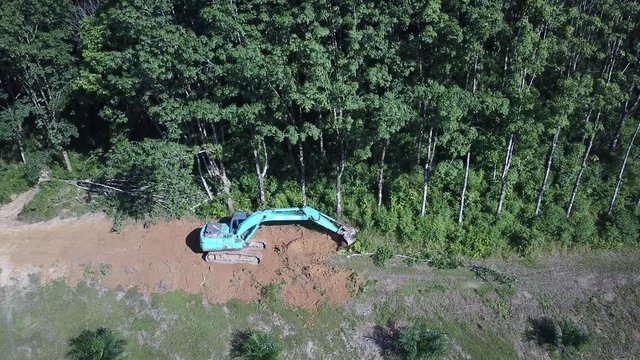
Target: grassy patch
x,y
39,322
55,199
415,288
477,343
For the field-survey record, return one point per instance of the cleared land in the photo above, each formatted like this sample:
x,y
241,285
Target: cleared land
x,y
151,285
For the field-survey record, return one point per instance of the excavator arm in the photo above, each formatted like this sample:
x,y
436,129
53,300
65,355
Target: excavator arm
x,y
247,228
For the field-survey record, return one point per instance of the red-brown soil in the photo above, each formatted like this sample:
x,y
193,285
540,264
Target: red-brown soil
x,y
166,257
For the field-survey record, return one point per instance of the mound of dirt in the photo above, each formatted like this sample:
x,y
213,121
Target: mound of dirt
x,y
166,256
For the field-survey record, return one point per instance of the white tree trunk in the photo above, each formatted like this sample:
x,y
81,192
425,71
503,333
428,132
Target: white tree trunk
x,y
340,172
624,114
217,170
381,172
22,153
67,162
547,171
427,171
621,173
303,182
576,185
261,168
505,173
204,181
464,189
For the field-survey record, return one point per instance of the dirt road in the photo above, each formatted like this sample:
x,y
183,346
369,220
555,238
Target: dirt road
x,y
166,256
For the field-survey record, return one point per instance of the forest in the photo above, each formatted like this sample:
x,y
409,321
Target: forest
x,y
465,127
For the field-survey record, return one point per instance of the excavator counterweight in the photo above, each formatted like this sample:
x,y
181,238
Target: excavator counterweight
x,y
231,242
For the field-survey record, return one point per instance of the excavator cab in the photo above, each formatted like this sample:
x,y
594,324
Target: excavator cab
x,y
236,219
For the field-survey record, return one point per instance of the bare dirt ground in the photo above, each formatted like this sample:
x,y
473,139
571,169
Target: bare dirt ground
x,y
166,257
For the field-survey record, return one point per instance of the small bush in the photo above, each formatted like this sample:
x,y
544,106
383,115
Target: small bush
x,y
255,345
489,274
271,293
100,344
382,254
564,335
573,335
420,342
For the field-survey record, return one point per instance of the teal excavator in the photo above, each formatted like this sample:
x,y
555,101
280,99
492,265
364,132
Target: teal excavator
x,y
230,243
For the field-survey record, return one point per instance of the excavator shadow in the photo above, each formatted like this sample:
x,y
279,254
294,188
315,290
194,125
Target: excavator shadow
x,y
193,241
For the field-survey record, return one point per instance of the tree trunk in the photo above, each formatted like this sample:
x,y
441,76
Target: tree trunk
x,y
303,182
464,189
621,173
427,171
419,145
341,164
543,187
261,169
204,182
322,151
505,173
576,185
226,188
22,153
67,162
624,114
218,170
381,173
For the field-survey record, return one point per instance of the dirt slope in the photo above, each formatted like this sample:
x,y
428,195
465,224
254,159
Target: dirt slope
x,y
166,257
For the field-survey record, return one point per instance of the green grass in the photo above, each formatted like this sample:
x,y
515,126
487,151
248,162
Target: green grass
x,y
478,343
418,288
54,199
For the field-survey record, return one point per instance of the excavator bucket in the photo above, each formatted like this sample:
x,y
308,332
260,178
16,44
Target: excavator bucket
x,y
348,234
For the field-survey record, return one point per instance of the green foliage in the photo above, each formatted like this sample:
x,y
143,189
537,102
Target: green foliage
x,y
195,97
420,342
99,344
13,180
622,229
255,345
382,255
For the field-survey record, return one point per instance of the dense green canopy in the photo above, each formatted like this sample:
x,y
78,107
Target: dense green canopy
x,y
365,108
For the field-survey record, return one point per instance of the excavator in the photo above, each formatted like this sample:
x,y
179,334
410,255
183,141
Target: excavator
x,y
230,243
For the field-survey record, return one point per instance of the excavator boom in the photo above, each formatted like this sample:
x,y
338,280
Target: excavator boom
x,y
225,241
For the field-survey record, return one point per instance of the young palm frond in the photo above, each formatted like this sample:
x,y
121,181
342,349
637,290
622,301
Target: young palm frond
x,y
100,344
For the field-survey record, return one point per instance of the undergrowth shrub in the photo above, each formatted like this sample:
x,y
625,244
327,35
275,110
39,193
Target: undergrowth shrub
x,y
255,345
382,255
557,335
421,342
622,229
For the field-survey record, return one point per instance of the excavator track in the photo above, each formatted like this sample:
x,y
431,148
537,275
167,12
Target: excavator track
x,y
249,255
